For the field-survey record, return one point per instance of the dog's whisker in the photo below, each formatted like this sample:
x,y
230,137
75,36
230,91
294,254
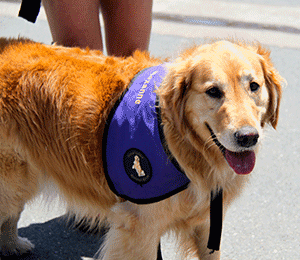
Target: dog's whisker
x,y
211,141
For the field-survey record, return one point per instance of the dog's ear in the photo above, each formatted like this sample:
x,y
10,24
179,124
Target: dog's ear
x,y
273,82
174,94
184,84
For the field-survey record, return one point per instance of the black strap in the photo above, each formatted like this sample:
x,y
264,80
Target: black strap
x,y
216,219
159,255
30,9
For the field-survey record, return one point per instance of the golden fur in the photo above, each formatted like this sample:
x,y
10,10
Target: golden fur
x,y
54,102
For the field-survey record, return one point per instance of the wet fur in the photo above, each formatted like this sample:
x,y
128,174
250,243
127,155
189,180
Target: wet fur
x,y
54,102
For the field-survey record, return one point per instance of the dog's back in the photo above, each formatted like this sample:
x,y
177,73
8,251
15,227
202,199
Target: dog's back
x,y
53,105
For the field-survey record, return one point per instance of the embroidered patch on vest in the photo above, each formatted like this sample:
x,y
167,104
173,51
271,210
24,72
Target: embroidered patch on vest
x,y
138,167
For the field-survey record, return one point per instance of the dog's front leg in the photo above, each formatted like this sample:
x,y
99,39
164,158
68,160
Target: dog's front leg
x,y
200,237
132,236
122,244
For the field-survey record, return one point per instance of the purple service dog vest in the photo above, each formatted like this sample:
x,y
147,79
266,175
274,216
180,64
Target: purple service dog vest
x,y
137,163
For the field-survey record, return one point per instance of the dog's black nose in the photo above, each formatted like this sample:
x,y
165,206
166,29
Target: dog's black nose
x,y
247,136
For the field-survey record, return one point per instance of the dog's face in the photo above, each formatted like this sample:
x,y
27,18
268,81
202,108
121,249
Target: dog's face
x,y
229,93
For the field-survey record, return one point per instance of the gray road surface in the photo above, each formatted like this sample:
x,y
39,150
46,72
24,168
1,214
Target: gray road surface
x,y
265,222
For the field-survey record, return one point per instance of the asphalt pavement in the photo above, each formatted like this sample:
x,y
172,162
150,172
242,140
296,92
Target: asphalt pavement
x,y
264,223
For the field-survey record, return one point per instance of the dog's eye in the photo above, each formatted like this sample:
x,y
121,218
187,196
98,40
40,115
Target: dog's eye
x,y
254,86
214,92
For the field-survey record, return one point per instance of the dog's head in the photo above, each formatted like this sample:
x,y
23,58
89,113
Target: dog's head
x,y
221,96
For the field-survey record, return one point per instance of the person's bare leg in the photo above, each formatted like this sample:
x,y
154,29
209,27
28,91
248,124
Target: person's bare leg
x,y
74,22
127,25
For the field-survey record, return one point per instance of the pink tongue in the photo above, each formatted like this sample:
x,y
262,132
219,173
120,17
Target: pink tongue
x,y
241,163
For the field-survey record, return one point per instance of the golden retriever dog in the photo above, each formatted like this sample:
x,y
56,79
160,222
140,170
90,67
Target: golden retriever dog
x,y
215,100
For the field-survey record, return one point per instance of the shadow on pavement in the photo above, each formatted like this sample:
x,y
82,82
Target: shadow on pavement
x,y
58,240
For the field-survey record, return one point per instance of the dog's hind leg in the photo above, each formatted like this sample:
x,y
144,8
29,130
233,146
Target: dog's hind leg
x,y
10,242
17,185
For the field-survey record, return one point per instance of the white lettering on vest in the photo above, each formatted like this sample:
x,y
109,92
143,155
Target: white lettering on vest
x,y
142,90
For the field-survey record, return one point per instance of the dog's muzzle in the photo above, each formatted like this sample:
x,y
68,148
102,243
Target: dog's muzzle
x,y
241,162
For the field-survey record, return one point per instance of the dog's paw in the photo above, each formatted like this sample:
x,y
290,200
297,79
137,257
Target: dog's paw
x,y
18,247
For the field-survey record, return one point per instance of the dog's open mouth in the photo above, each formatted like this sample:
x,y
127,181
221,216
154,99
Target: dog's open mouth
x,y
240,162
